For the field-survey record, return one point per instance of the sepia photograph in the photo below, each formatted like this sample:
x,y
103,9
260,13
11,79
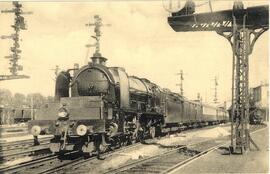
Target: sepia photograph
x,y
134,86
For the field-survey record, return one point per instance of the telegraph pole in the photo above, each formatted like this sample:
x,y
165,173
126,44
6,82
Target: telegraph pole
x,y
199,98
32,108
181,75
19,24
215,89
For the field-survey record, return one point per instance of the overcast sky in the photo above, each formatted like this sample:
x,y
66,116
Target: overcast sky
x,y
140,40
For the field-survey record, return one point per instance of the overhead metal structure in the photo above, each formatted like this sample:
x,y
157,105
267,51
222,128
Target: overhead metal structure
x,y
256,18
12,77
19,24
241,27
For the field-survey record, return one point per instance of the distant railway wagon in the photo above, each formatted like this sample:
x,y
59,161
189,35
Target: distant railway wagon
x,y
23,115
11,115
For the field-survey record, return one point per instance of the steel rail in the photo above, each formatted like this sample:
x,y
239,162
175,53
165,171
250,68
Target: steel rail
x,y
157,164
149,159
6,146
7,156
21,166
178,166
22,148
78,162
82,161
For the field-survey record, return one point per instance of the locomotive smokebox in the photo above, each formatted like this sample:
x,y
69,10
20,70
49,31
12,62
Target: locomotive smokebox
x,y
98,59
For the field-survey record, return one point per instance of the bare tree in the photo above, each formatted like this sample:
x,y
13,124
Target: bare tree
x,y
36,99
19,100
5,97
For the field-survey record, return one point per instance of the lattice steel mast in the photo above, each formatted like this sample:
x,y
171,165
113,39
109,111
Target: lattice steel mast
x,y
181,75
241,27
19,24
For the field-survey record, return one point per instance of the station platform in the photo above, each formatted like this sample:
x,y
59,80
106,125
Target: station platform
x,y
217,161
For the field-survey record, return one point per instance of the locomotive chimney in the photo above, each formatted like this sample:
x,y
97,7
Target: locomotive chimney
x,y
98,59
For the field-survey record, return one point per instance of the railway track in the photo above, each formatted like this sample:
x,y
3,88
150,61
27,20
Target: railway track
x,y
18,149
24,166
168,161
178,156
74,165
55,163
6,146
173,159
25,148
79,164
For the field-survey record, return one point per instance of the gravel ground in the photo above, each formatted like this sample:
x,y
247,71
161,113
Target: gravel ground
x,y
156,147
16,161
217,162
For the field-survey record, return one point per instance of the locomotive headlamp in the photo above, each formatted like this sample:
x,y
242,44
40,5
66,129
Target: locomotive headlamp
x,y
62,112
35,130
81,130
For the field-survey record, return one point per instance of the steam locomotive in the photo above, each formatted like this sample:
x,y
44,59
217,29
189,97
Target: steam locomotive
x,y
99,106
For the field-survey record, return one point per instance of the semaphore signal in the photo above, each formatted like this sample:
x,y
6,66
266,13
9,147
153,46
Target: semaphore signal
x,y
19,24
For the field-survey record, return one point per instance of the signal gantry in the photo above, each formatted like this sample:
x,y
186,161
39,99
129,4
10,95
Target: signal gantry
x,y
19,24
241,27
